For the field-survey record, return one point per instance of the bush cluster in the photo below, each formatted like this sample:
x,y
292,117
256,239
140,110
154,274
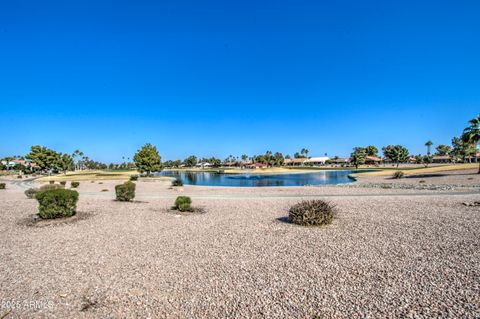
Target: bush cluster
x,y
52,182
56,203
183,204
311,213
398,175
2,185
125,192
31,192
177,182
133,177
74,184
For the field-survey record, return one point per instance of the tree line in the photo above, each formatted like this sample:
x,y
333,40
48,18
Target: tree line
x,y
148,160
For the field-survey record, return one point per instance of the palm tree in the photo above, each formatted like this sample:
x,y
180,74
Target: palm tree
x,y
428,145
471,134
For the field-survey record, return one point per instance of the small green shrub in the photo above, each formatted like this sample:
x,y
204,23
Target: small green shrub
x,y
31,192
311,213
2,185
422,182
56,203
104,190
183,203
398,174
19,176
177,182
75,184
133,177
63,183
125,192
52,182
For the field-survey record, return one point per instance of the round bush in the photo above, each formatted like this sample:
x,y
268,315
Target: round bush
x,y
63,183
56,203
2,185
133,177
177,182
311,213
398,175
31,192
182,203
51,182
74,184
125,192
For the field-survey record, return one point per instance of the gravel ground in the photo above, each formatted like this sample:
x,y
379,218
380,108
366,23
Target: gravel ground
x,y
388,254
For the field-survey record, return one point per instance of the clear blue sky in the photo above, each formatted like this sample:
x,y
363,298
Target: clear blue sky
x,y
233,77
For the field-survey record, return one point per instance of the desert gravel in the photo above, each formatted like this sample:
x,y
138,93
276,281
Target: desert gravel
x,y
388,254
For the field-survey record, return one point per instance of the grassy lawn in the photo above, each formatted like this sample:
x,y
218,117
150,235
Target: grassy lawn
x,y
98,175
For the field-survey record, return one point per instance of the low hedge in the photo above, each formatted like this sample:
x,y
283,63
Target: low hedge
x,y
125,192
183,204
31,192
177,182
56,203
311,213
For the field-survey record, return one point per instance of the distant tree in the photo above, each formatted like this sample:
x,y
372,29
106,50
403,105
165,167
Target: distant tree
x,y
304,152
471,135
427,160
43,157
190,161
244,157
278,159
358,156
443,150
215,162
77,158
147,159
428,144
396,153
64,163
371,151
288,157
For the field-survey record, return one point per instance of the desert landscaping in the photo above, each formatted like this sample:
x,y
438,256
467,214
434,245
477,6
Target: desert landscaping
x,y
391,251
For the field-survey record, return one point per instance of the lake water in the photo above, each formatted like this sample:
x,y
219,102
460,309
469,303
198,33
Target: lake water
x,y
260,180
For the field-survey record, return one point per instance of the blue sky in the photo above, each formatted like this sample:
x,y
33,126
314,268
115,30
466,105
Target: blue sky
x,y
215,78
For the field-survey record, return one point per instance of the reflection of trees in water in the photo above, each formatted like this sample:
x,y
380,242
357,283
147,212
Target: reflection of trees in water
x,y
190,178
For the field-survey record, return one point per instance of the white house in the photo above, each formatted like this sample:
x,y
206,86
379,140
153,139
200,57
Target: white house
x,y
204,165
317,160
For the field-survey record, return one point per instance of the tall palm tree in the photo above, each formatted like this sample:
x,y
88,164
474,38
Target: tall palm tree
x,y
428,145
471,134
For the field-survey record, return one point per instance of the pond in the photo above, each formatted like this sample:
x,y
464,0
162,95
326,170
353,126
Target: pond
x,y
260,180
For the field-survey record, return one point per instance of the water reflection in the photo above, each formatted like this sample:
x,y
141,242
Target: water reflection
x,y
252,180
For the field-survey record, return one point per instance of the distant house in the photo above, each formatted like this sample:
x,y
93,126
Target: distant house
x,y
257,165
26,163
231,164
203,165
296,162
438,159
317,160
372,160
341,161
